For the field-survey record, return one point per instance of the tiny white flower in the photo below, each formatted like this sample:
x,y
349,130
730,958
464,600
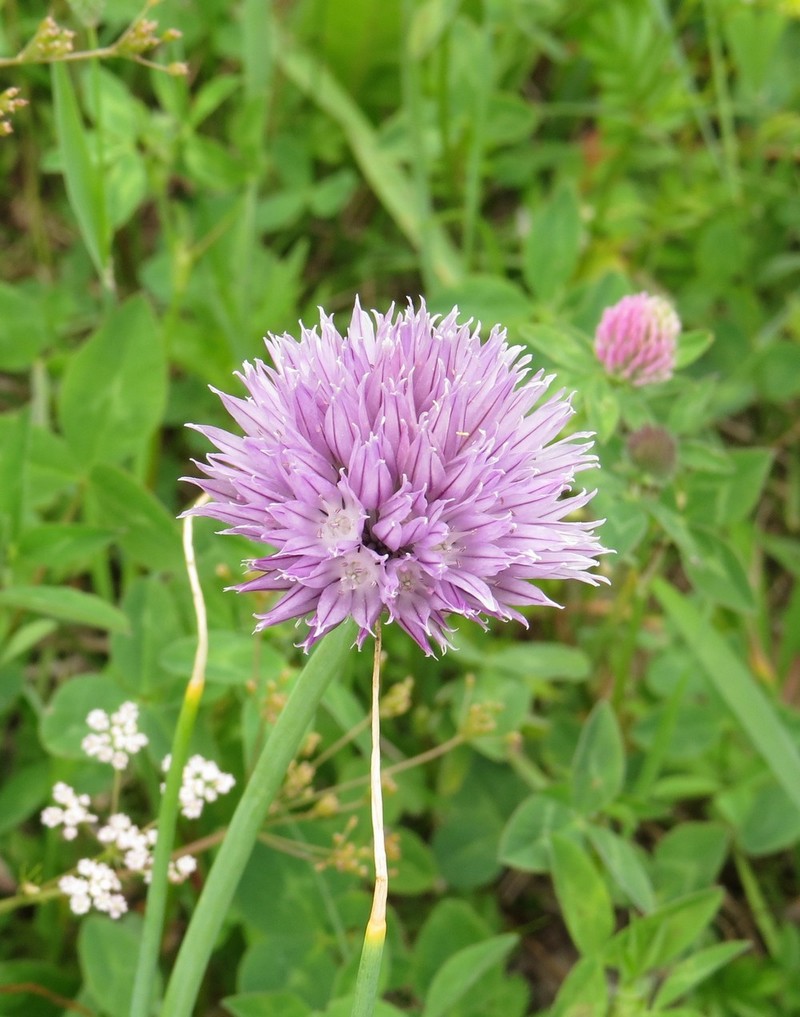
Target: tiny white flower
x,y
202,782
71,809
96,886
115,738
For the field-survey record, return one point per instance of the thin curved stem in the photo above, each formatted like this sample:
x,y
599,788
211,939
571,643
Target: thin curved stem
x,y
372,952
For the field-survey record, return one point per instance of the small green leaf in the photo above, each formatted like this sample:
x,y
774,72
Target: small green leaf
x,y
697,968
452,925
624,866
553,245
486,298
416,868
584,992
598,767
582,895
266,1004
658,938
691,346
460,972
716,572
525,841
66,604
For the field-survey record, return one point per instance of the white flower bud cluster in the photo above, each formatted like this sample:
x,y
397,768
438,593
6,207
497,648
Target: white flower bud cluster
x,y
114,738
138,846
70,811
96,886
203,781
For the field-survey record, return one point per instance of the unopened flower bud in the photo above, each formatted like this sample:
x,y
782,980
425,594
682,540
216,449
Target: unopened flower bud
x,y
637,338
654,450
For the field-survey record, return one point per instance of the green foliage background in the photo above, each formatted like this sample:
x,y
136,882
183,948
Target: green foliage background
x,y
622,838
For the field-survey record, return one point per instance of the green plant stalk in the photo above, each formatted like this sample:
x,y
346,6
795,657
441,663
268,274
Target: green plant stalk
x,y
147,964
369,968
412,97
263,785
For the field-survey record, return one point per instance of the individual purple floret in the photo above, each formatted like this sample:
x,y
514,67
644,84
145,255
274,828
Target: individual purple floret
x,y
637,339
404,468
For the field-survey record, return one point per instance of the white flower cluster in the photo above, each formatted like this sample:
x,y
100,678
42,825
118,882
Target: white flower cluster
x,y
70,811
202,782
96,886
115,738
138,846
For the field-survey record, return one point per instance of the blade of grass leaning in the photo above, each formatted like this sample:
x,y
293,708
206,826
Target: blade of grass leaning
x,y
144,983
262,786
83,180
736,686
391,185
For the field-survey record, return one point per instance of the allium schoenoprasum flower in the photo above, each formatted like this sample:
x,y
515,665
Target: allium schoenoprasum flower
x,y
637,338
403,468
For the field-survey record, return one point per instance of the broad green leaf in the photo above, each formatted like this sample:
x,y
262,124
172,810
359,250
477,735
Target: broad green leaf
x,y
657,939
62,547
416,868
154,623
62,727
697,968
582,895
24,792
737,687
739,495
266,1004
553,245
83,180
143,528
762,815
105,949
565,347
114,388
233,658
584,992
598,767
24,333
460,972
525,843
624,865
66,604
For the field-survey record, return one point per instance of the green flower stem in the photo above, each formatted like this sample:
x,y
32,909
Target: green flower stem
x,y
264,783
369,968
147,966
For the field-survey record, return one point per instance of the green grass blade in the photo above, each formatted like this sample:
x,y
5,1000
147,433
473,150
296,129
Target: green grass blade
x,y
263,785
82,179
736,686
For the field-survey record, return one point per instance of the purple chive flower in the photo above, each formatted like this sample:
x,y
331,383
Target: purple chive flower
x,y
637,339
404,468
